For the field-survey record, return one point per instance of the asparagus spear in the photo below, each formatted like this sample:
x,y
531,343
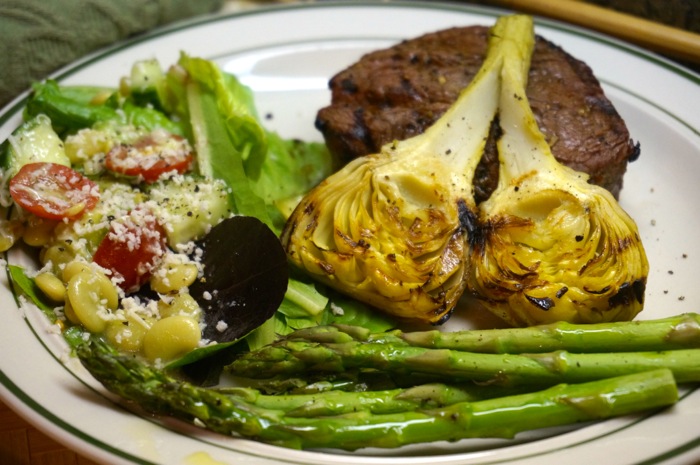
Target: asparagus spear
x,y
504,417
676,332
351,380
334,402
294,356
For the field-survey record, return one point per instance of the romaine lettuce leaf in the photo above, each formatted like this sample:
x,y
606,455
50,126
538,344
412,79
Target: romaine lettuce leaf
x,y
218,155
259,166
71,108
292,167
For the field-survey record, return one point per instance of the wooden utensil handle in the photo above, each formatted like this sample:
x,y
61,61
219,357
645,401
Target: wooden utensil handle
x,y
667,40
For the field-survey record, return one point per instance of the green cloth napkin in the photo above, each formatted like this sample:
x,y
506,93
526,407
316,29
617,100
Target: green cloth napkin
x,y
39,36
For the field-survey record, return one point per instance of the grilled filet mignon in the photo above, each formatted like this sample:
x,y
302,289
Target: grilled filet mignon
x,y
395,93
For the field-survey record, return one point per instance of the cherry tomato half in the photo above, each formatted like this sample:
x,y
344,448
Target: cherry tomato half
x,y
53,191
132,249
151,156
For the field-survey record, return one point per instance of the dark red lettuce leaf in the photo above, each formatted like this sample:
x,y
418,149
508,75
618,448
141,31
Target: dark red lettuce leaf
x,y
245,277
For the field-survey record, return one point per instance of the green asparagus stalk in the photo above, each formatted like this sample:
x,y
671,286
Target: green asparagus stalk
x,y
218,411
349,381
295,356
286,385
675,332
333,402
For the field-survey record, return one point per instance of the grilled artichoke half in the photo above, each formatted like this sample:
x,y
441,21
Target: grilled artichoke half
x,y
390,229
550,246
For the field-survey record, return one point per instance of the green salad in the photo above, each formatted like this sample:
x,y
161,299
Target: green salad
x,y
152,204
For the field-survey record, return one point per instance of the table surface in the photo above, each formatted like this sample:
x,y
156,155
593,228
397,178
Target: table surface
x,y
23,444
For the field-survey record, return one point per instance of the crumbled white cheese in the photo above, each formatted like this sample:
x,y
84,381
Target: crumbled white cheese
x,y
44,269
221,326
133,306
54,329
338,311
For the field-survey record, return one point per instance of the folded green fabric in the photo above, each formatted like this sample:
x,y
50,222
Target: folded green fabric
x,y
39,36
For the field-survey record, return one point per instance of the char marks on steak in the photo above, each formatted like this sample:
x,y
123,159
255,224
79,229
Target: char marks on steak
x,y
396,93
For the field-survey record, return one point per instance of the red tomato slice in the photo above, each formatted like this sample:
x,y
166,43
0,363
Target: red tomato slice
x,y
151,156
132,249
53,191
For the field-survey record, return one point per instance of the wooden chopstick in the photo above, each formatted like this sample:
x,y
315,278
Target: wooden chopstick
x,y
670,41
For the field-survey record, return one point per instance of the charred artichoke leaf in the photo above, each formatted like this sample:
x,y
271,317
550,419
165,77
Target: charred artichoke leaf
x,y
386,228
552,247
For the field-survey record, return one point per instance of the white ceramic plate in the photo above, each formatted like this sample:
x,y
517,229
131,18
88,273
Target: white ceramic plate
x,y
287,55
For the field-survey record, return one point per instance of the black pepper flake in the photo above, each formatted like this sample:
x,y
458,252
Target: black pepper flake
x,y
670,271
190,214
578,238
268,116
681,298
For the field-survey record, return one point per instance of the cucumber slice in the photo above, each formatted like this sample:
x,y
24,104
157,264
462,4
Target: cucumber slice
x,y
189,207
34,141
147,81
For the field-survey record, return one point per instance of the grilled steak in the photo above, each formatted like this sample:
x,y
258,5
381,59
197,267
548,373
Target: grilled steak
x,y
396,93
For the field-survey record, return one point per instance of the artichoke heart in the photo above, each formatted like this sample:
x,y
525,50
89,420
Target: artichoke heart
x,y
551,246
390,229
